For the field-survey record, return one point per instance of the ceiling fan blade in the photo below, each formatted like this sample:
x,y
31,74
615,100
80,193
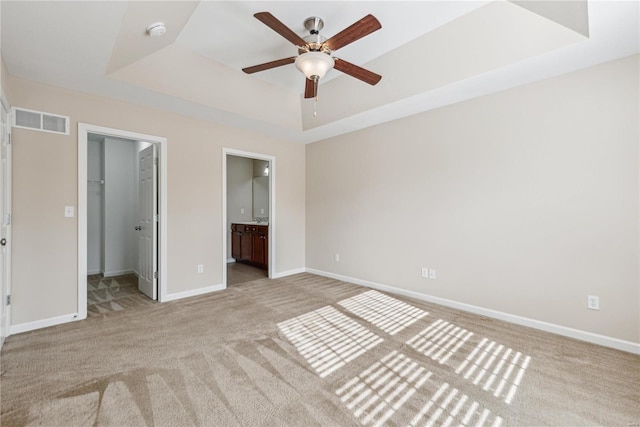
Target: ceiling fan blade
x,y
272,22
363,27
357,72
310,88
269,65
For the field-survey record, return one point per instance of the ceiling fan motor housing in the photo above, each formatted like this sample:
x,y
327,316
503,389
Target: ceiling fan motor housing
x,y
314,40
314,24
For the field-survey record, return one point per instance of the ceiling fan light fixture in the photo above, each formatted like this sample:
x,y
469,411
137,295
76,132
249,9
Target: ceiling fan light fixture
x,y
314,64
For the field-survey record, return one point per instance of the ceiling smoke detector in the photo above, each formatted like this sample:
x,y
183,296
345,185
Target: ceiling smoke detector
x,y
156,29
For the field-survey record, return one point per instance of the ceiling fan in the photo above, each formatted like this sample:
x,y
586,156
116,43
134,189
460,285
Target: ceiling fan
x,y
314,51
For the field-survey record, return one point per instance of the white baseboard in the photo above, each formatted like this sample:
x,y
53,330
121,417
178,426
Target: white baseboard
x,y
230,260
118,272
193,293
602,340
288,273
92,272
44,323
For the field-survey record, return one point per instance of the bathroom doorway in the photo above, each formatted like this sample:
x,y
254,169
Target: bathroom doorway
x,y
248,216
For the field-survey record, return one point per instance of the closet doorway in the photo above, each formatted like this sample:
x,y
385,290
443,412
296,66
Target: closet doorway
x,y
121,216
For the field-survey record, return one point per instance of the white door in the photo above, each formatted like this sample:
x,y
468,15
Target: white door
x,y
5,228
148,226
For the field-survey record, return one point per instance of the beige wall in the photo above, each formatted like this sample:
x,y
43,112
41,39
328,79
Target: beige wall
x,y
44,181
525,201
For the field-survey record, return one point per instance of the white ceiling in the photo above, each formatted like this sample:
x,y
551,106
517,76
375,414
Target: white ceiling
x,y
430,54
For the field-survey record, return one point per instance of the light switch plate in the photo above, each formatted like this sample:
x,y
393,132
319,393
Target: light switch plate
x,y
68,212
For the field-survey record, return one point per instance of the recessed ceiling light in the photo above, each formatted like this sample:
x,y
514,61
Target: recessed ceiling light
x,y
156,29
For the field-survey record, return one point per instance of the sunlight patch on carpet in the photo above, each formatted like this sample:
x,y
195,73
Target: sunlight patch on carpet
x,y
328,339
387,313
440,340
380,390
448,406
495,368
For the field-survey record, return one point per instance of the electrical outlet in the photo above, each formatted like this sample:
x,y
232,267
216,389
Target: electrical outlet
x,y
593,302
200,268
337,257
432,274
241,211
425,272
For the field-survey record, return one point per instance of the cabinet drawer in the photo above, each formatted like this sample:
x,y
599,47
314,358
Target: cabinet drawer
x,y
243,228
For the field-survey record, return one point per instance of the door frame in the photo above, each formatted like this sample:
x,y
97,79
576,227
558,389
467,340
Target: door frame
x,y
84,130
272,207
7,273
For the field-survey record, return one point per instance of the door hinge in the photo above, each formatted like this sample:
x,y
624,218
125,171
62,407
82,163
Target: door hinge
x,y
155,161
9,139
8,219
155,274
156,217
8,299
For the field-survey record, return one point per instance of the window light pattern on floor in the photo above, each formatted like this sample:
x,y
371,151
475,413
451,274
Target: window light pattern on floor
x,y
440,340
448,406
328,339
383,311
495,368
379,391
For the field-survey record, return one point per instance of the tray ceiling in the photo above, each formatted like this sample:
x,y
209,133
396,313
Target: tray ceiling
x,y
430,54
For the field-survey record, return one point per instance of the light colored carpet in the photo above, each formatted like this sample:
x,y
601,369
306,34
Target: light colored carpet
x,y
307,350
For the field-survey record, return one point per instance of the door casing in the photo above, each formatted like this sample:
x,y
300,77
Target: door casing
x,y
5,193
84,130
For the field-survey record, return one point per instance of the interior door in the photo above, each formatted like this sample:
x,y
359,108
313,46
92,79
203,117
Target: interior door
x,y
148,225
5,227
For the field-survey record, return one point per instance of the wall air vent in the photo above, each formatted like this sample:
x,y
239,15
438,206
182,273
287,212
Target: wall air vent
x,y
38,120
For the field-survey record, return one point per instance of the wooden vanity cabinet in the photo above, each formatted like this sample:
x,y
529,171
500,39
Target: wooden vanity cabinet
x,y
240,243
250,244
260,246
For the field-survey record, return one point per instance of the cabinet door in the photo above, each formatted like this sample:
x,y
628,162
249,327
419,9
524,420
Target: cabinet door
x,y
235,244
245,247
257,249
265,241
